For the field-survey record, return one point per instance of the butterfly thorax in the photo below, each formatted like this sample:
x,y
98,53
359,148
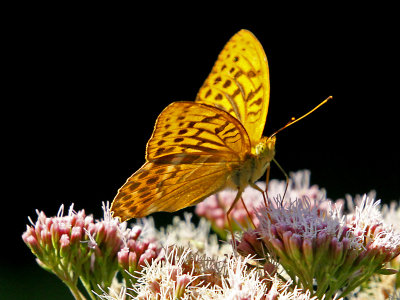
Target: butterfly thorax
x,y
255,164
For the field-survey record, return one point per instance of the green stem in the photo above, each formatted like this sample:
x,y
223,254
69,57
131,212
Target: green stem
x,y
75,291
86,283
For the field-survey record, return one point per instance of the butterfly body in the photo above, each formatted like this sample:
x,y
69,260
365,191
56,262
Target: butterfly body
x,y
199,148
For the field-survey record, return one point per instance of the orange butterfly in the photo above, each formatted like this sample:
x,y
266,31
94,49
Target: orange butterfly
x,y
199,148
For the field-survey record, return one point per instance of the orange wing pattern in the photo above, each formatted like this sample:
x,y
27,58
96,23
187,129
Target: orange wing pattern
x,y
193,151
239,83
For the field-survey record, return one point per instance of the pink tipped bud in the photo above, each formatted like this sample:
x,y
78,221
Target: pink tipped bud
x,y
295,244
76,235
135,233
251,244
88,220
278,247
55,234
201,209
131,244
308,251
245,248
111,234
32,243
336,249
123,258
148,255
100,230
182,282
273,231
154,287
45,237
64,227
64,241
285,239
132,262
141,246
64,245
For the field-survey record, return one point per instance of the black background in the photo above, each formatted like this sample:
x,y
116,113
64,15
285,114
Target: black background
x,y
84,87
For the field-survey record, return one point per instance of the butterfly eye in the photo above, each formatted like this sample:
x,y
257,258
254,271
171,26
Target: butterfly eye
x,y
260,148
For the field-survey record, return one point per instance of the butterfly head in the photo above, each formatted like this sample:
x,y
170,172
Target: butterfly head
x,y
264,154
265,149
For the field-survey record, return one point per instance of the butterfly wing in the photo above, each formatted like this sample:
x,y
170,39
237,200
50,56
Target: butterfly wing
x,y
193,151
239,83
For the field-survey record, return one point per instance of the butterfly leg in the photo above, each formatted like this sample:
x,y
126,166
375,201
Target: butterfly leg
x,y
247,211
238,196
286,176
266,184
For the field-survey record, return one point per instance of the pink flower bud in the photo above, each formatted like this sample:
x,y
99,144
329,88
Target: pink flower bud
x,y
285,239
295,246
32,243
132,262
217,214
64,245
201,209
55,234
64,241
245,247
135,232
123,258
182,282
76,235
100,230
64,227
80,221
278,247
45,237
88,220
141,247
148,255
131,244
154,287
308,251
336,250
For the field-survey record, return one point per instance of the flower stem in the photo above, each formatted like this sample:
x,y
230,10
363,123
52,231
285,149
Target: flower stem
x,y
74,291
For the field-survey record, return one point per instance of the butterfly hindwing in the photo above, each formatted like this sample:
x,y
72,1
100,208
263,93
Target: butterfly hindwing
x,y
192,128
167,187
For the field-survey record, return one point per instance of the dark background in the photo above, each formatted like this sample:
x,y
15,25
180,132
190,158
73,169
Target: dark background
x,y
84,87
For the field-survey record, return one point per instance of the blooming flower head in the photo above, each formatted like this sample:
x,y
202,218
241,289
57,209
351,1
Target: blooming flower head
x,y
215,207
310,243
166,278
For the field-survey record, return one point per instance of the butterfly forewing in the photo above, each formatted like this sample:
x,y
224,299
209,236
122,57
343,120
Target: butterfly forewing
x,y
239,83
193,151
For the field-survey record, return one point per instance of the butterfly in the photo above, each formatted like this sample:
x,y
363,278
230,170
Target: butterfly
x,y
199,148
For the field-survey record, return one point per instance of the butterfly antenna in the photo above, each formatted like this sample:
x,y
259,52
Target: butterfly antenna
x,y
294,120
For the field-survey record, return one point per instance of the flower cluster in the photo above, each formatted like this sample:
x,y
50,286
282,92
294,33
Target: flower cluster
x,y
75,246
324,251
215,207
299,246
